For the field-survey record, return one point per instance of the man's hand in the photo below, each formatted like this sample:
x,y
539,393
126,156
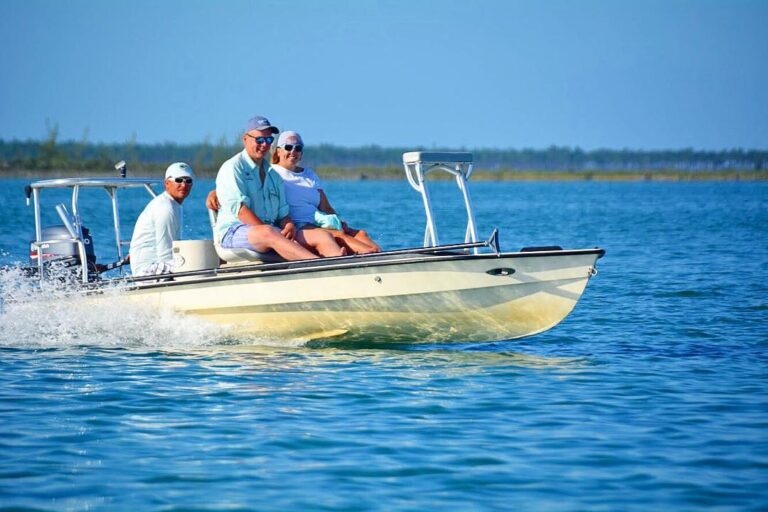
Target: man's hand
x,y
288,229
212,201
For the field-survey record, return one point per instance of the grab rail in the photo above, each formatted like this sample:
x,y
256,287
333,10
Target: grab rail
x,y
418,164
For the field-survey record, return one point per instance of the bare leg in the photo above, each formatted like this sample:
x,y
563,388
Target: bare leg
x,y
356,240
362,236
264,237
321,241
349,242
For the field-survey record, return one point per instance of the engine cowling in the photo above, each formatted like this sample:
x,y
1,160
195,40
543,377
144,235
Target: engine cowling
x,y
60,248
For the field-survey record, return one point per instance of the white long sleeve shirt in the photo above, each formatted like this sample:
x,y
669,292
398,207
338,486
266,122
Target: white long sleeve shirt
x,y
156,229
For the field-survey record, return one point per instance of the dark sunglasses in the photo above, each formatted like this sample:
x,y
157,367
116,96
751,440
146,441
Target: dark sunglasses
x,y
262,140
188,181
293,147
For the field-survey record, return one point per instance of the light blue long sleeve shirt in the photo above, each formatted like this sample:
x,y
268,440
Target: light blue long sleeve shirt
x,y
238,183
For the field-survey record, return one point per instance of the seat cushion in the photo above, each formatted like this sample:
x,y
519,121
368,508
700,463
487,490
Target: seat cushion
x,y
242,255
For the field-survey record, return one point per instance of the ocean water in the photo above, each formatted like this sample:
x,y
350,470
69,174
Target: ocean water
x,y
651,395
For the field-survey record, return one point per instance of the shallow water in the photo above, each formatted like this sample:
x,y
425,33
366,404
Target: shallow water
x,y
651,395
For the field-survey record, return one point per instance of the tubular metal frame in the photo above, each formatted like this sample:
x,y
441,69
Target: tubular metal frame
x,y
110,186
418,165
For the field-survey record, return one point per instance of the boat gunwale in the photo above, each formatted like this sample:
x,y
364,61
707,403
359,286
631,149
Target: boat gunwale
x,y
321,265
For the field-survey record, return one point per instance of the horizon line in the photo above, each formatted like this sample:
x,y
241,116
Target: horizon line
x,y
412,148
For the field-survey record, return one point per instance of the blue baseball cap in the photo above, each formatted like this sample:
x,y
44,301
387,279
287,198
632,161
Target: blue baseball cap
x,y
260,123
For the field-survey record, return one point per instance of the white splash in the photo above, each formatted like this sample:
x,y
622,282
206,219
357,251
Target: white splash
x,y
49,314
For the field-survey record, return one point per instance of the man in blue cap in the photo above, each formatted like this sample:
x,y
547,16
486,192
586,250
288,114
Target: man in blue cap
x,y
254,211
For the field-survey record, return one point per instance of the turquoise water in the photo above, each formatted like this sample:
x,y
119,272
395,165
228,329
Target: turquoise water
x,y
652,395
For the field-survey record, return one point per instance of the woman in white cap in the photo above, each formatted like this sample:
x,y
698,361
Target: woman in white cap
x,y
160,224
309,206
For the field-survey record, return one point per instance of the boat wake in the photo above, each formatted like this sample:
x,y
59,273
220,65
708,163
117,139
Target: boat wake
x,y
48,314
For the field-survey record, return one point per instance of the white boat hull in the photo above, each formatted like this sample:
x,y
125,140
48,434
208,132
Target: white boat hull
x,y
435,298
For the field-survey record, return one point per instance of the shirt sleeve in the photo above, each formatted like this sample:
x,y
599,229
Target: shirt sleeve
x,y
231,189
282,209
167,229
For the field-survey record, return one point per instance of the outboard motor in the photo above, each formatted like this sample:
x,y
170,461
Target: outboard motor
x,y
64,253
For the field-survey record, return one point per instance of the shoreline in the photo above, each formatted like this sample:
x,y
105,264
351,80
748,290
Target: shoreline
x,y
389,174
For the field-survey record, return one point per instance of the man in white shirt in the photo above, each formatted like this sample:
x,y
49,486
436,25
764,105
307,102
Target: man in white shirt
x,y
160,224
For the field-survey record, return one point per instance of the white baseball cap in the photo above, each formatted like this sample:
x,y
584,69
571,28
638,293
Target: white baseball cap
x,y
289,137
179,170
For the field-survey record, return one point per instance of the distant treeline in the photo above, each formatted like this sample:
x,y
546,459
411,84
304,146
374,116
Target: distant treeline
x,y
205,157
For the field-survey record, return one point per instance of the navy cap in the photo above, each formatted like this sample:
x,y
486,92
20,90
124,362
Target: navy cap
x,y
260,123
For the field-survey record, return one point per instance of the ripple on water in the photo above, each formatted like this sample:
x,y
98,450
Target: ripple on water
x,y
651,395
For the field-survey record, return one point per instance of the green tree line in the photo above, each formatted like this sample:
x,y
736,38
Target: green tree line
x,y
206,157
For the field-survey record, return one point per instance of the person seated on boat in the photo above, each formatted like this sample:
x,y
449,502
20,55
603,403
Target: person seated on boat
x,y
159,224
309,206
254,213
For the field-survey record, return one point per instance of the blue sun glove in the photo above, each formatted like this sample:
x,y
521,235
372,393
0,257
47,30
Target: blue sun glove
x,y
328,221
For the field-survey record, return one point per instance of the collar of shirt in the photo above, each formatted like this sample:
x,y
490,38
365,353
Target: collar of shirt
x,y
169,197
261,169
250,162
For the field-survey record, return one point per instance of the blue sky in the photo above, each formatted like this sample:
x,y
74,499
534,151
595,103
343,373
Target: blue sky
x,y
503,74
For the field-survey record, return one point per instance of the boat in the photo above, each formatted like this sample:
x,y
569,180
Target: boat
x,y
469,291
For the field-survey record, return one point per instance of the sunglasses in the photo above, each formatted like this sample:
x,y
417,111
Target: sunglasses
x,y
262,140
188,181
293,147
